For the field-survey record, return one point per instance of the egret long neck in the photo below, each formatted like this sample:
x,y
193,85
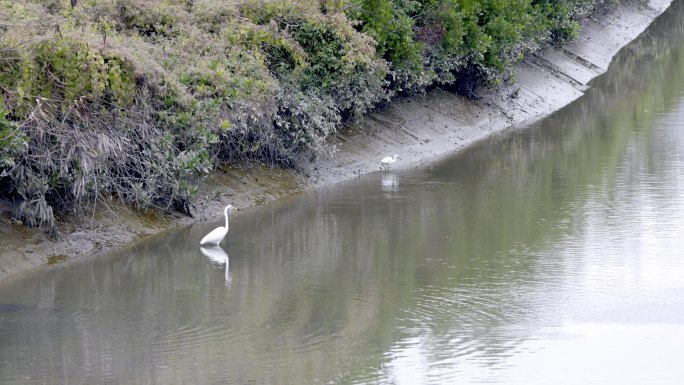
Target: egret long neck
x,y
225,212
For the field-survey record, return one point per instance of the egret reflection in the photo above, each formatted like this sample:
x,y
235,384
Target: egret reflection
x,y
389,183
219,257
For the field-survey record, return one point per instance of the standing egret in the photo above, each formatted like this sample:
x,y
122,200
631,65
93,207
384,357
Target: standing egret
x,y
216,235
386,161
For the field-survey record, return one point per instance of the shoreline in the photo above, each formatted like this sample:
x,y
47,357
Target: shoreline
x,y
421,128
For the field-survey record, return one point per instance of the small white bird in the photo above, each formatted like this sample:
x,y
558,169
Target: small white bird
x,y
386,161
216,235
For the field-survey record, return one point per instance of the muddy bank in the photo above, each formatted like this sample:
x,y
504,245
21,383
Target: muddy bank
x,y
420,129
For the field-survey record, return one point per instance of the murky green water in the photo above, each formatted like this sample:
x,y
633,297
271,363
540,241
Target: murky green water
x,y
553,254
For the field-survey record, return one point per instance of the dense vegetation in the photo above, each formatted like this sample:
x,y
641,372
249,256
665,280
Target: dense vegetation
x,y
137,99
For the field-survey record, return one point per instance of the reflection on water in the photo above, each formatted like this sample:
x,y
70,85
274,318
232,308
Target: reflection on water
x,y
389,183
217,255
599,353
553,254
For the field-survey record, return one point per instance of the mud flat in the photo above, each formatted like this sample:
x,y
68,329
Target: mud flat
x,y
420,129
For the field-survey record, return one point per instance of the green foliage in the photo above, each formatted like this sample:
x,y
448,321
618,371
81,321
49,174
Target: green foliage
x,y
457,40
65,70
305,118
561,17
13,142
338,67
327,71
391,26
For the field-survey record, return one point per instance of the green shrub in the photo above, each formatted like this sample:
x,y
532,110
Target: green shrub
x,y
13,142
389,23
327,71
64,70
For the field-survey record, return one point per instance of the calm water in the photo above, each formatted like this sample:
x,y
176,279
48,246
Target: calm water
x,y
552,254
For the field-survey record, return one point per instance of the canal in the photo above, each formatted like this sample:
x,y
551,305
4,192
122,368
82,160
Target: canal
x,y
553,253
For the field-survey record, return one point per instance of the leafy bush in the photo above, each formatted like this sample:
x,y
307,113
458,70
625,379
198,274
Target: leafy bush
x,y
471,42
13,142
390,24
326,69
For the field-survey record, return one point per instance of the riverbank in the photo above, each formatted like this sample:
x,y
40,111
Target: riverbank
x,y
420,129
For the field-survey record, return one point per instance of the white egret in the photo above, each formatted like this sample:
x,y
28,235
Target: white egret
x,y
216,235
386,161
